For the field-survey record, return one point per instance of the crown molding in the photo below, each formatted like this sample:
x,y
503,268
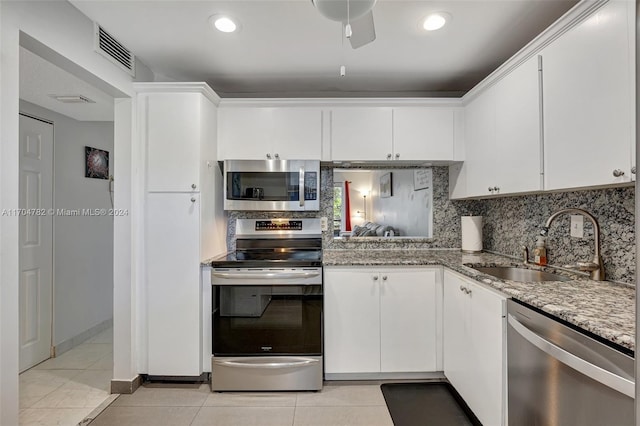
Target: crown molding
x,y
178,87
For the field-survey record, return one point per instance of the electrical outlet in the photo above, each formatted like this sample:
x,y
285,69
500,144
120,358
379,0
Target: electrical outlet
x,y
577,226
324,224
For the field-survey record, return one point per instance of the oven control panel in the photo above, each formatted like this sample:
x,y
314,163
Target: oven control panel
x,y
278,225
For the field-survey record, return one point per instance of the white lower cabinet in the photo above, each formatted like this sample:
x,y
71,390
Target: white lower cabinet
x,y
381,320
474,346
173,290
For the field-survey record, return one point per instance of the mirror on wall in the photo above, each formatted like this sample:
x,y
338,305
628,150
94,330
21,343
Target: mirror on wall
x,y
383,203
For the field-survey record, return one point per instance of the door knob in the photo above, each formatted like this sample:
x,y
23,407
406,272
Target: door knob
x,y
618,173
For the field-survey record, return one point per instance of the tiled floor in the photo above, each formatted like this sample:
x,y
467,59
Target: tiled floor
x,y
195,405
64,390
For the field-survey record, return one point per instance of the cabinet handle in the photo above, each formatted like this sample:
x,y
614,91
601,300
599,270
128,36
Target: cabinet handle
x,y
384,278
468,291
496,188
375,278
490,189
618,173
397,156
633,170
193,199
388,156
277,156
268,156
461,288
193,186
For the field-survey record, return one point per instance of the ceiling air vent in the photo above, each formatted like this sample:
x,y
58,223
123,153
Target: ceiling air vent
x,y
113,50
73,99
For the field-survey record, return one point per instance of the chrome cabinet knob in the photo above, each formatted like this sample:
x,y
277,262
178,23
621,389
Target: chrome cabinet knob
x,y
269,156
384,278
193,186
397,156
633,170
193,199
388,156
461,288
496,188
375,278
277,156
490,189
468,291
618,173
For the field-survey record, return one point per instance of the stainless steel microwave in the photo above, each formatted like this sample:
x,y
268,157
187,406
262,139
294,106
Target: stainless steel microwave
x,y
272,185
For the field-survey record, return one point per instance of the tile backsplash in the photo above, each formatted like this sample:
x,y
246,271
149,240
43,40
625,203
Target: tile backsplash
x,y
509,223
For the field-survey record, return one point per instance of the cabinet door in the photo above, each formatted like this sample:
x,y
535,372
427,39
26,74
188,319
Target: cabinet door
x,y
173,140
297,133
487,347
588,94
456,333
481,155
361,134
351,321
245,133
173,284
517,139
423,133
408,320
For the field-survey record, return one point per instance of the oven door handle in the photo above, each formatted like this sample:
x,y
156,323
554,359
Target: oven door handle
x,y
301,362
265,275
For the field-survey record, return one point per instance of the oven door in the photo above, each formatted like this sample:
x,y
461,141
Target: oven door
x,y
267,329
262,312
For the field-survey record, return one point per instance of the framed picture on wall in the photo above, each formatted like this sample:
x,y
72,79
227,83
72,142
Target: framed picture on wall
x,y
385,185
96,163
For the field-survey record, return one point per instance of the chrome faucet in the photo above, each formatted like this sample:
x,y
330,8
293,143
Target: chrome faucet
x,y
595,267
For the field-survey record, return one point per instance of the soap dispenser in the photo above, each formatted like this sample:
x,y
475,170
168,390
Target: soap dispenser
x,y
540,252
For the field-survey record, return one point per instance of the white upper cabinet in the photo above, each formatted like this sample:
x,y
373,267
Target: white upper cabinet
x,y
362,134
588,101
173,126
502,135
423,133
258,133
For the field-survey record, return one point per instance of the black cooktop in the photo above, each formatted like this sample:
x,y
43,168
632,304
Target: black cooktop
x,y
270,259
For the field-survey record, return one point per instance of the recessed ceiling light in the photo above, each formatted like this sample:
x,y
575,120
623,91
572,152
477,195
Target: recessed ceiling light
x,y
435,21
223,23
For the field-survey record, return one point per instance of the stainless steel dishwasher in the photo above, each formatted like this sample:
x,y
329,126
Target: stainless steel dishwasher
x,y
559,376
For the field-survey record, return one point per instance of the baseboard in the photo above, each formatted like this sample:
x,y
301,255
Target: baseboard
x,y
384,376
69,344
126,386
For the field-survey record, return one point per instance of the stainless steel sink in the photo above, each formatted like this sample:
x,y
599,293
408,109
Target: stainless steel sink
x,y
520,274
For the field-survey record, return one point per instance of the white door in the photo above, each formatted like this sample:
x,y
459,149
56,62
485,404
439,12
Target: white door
x,y
36,240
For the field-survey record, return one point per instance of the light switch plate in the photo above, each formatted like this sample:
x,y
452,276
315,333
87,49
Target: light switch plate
x,y
324,224
577,226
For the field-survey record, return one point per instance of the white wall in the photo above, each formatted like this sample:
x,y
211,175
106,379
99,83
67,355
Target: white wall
x,y
60,27
83,245
407,210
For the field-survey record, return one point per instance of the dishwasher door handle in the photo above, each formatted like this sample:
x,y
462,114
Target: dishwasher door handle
x,y
599,374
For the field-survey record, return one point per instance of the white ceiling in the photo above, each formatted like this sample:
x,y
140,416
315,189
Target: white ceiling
x,y
287,49
39,79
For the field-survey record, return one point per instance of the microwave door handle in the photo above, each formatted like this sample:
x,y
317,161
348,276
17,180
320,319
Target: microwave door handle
x,y
301,187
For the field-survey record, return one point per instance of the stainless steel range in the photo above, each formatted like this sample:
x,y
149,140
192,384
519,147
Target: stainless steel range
x,y
267,308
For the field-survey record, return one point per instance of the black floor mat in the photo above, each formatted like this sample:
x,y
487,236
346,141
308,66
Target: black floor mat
x,y
426,404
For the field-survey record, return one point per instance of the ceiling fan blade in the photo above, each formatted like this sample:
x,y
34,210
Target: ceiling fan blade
x,y
363,31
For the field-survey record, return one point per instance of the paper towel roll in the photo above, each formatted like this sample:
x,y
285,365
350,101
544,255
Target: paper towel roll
x,y
471,233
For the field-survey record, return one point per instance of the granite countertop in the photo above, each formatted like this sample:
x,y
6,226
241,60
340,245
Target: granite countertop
x,y
603,308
